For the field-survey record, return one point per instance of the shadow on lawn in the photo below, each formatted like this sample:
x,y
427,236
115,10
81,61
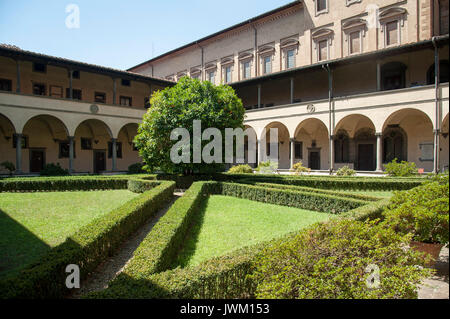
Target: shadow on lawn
x,y
18,246
187,250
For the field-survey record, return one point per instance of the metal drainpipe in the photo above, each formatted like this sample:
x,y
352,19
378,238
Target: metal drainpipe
x,y
330,98
437,108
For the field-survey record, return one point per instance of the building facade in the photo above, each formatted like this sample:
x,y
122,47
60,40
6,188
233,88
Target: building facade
x,y
82,116
346,82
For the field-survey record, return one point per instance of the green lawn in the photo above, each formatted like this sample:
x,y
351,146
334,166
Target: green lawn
x,y
229,223
32,223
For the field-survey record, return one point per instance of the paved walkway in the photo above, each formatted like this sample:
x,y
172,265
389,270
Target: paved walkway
x,y
437,286
114,265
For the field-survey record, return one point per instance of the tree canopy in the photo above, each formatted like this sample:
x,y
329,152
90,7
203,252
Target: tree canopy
x,y
178,107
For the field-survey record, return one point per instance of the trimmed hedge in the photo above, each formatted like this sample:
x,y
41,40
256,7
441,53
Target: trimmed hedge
x,y
147,275
319,191
223,277
158,250
52,184
323,182
87,248
304,200
371,211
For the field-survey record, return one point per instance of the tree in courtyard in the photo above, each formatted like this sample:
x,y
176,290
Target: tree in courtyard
x,y
178,107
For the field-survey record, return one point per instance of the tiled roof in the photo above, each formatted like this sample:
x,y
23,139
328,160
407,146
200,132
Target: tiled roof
x,y
16,52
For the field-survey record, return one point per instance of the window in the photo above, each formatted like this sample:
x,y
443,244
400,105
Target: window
x,y
392,33
211,77
64,149
393,76
38,89
86,143
76,94
5,85
426,151
118,149
100,97
323,50
147,104
56,91
246,73
443,73
321,6
125,101
24,141
298,149
267,64
126,82
355,42
39,67
228,74
290,59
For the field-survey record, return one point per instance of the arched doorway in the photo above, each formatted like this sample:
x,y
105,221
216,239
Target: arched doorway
x,y
282,145
312,142
7,143
355,143
46,141
127,153
444,145
94,138
408,136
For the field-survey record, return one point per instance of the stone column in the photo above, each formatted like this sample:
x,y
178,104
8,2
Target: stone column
x,y
71,153
260,152
331,154
436,152
114,154
292,140
379,152
19,153
378,75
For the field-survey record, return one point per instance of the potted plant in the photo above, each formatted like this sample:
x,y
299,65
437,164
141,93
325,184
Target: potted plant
x,y
424,213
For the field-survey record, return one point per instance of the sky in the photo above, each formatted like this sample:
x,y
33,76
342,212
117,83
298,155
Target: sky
x,y
119,34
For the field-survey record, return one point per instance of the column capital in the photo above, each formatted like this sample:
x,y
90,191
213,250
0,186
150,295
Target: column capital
x,y
71,137
378,134
113,139
292,139
437,131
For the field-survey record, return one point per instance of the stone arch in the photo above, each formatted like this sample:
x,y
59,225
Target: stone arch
x,y
408,135
313,136
7,133
46,140
360,144
93,137
283,143
444,144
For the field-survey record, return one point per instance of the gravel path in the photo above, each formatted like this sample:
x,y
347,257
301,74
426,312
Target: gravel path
x,y
437,286
113,266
